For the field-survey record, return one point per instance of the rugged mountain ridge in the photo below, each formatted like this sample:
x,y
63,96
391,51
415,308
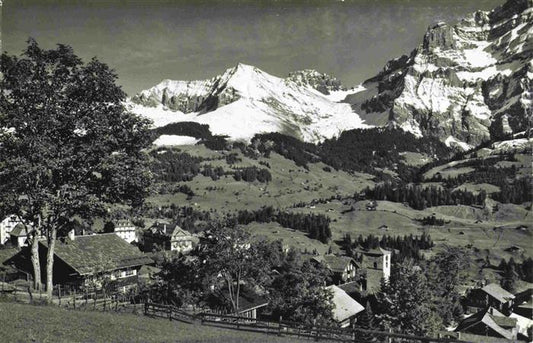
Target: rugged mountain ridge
x,y
244,101
323,83
465,83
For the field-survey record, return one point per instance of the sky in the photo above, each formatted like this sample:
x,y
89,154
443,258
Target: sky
x,y
146,41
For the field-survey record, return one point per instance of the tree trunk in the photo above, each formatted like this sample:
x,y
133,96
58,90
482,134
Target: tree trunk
x,y
50,263
35,260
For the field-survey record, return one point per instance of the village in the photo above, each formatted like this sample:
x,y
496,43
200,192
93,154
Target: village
x,y
128,260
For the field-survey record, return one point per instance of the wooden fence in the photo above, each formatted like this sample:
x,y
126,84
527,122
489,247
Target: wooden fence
x,y
286,328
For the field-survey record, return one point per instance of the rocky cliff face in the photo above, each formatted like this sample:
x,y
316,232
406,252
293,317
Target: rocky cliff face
x,y
323,83
464,83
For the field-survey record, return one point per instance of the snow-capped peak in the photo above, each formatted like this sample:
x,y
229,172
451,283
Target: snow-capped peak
x,y
244,101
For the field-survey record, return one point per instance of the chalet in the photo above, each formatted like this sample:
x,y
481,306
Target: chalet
x,y
126,230
344,268
90,261
6,226
345,308
489,322
491,295
168,237
523,303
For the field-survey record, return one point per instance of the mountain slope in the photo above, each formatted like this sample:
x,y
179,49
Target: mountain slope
x,y
245,101
464,84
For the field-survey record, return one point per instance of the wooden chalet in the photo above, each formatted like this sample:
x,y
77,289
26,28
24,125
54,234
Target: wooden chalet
x,y
94,260
168,237
343,268
489,322
491,295
345,308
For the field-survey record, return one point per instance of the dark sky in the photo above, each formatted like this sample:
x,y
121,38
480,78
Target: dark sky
x,y
147,41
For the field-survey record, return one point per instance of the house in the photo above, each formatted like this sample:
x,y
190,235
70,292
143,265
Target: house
x,y
168,237
344,268
491,295
95,261
523,303
345,308
182,241
489,322
250,303
6,226
126,230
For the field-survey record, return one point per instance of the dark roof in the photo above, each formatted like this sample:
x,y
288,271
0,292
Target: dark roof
x,y
337,263
6,254
98,253
376,252
162,228
493,321
248,299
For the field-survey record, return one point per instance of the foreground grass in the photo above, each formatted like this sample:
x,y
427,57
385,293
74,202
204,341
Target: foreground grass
x,y
27,323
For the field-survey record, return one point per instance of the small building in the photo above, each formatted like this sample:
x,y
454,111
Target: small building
x,y
94,261
250,303
489,322
19,235
182,241
6,226
371,205
345,307
491,295
344,268
523,303
168,237
126,230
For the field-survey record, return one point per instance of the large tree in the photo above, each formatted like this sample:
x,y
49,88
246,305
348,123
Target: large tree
x,y
298,294
404,302
229,260
68,147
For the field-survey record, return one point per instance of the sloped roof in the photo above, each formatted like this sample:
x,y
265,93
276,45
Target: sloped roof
x,y
337,263
163,228
6,254
493,321
345,305
378,251
19,230
179,232
98,253
497,292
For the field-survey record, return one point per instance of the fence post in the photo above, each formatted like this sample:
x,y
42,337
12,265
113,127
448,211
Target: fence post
x,y
169,312
146,308
279,325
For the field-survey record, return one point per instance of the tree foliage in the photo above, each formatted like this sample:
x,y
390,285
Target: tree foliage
x,y
404,302
67,145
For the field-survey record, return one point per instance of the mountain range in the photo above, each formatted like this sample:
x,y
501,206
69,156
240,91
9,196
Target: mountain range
x,y
464,84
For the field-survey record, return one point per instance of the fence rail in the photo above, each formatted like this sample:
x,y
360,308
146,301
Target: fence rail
x,y
286,328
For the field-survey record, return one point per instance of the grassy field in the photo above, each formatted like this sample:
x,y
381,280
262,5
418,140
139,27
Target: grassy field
x,y
290,184
488,231
27,323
